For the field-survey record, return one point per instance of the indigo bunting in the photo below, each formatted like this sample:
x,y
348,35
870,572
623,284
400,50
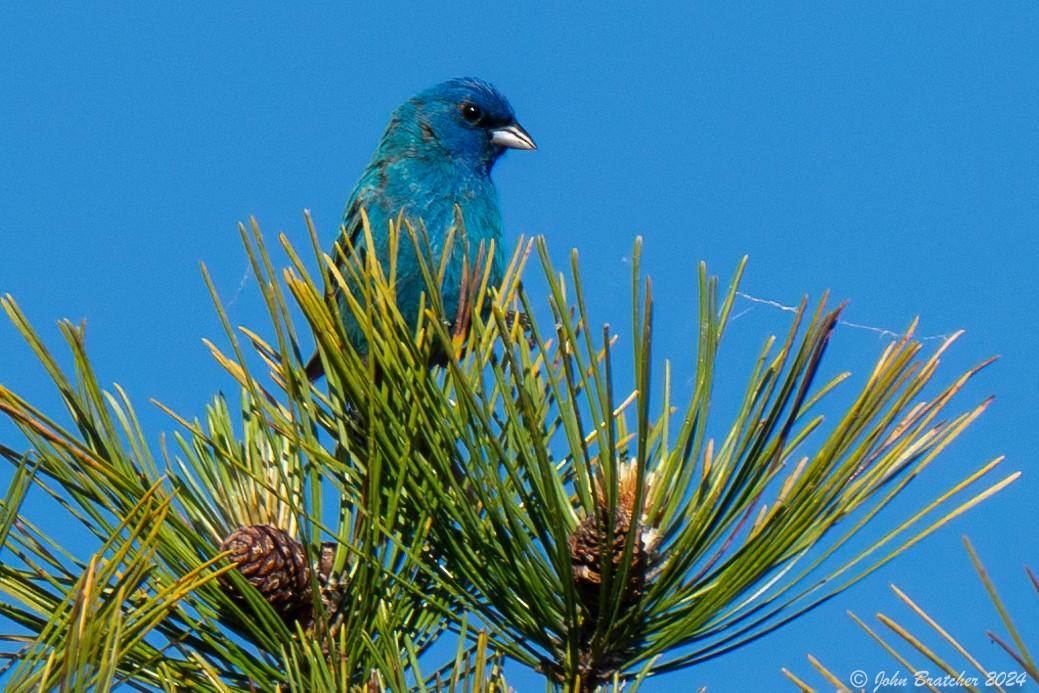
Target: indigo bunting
x,y
433,161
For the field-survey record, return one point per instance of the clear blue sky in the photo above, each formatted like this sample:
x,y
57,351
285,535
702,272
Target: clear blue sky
x,y
887,151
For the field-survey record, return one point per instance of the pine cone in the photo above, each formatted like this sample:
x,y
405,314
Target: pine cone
x,y
585,543
274,563
333,593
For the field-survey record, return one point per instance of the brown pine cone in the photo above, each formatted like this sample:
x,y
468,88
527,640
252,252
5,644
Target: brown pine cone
x,y
274,563
585,543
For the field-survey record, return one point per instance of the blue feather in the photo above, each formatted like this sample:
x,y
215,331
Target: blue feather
x,y
433,160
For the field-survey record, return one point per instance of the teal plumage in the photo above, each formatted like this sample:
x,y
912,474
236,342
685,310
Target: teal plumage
x,y
433,160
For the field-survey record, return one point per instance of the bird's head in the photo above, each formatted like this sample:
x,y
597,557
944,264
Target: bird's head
x,y
467,118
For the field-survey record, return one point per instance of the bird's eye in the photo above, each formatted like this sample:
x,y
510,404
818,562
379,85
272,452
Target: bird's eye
x,y
471,112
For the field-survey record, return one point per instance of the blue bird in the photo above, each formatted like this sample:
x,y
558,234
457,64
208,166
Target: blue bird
x,y
435,156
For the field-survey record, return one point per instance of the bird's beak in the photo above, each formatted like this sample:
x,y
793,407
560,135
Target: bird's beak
x,y
513,136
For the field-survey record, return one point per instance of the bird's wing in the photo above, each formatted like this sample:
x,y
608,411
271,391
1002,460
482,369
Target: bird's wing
x,y
352,230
